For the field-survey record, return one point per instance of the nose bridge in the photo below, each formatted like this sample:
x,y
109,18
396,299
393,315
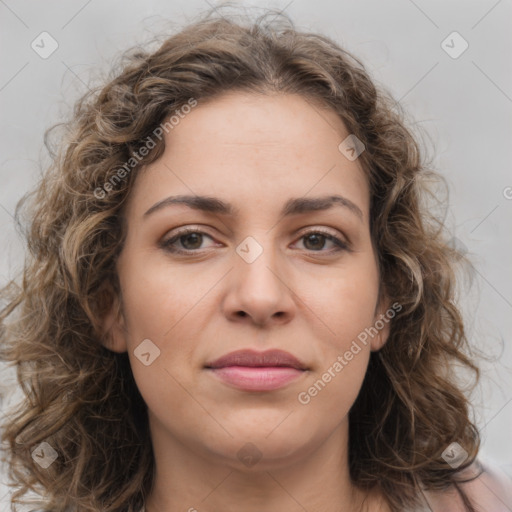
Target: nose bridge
x,y
257,262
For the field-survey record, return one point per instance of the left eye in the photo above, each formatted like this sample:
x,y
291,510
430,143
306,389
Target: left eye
x,y
318,238
191,241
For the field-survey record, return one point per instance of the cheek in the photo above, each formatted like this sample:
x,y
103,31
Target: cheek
x,y
347,306
156,299
346,303
343,353
331,393
165,306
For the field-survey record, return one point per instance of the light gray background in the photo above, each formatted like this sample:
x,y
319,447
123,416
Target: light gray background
x,y
464,104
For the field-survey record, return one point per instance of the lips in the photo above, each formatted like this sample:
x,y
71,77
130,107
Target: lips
x,y
248,370
251,358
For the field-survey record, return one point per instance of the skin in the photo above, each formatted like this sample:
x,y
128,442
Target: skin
x,y
299,295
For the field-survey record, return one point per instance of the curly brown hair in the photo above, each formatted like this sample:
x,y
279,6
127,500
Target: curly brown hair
x,y
82,399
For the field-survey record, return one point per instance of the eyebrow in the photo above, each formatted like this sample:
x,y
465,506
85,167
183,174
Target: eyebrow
x,y
294,206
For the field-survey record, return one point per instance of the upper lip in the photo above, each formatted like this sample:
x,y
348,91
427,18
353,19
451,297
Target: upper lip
x,y
253,358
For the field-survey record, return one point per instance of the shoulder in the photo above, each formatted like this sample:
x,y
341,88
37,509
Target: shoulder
x,y
490,491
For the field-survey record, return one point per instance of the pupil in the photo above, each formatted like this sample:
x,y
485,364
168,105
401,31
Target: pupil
x,y
317,238
188,236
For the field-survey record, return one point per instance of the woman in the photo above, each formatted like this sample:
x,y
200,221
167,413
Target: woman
x,y
235,297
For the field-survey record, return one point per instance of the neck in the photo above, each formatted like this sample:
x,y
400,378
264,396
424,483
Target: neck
x,y
316,479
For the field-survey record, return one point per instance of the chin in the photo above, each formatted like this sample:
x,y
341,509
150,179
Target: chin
x,y
252,450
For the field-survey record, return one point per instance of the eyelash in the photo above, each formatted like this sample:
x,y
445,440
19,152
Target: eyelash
x,y
167,244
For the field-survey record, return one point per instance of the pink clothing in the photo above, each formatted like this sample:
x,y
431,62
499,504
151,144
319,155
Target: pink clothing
x,y
490,492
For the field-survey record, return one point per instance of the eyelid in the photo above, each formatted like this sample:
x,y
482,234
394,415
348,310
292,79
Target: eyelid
x,y
324,230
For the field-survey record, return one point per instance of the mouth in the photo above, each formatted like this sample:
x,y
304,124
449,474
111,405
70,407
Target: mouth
x,y
249,370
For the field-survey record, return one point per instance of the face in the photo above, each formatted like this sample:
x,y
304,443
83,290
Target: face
x,y
266,266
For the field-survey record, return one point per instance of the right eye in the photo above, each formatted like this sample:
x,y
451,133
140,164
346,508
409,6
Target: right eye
x,y
190,239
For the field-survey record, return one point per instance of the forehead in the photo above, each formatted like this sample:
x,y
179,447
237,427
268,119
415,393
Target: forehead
x,y
254,150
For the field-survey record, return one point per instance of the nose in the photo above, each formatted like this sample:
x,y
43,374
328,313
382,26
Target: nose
x,y
259,292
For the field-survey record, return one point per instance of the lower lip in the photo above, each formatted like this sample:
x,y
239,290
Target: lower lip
x,y
257,378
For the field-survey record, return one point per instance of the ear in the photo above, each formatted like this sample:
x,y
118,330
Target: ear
x,y
112,323
384,314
